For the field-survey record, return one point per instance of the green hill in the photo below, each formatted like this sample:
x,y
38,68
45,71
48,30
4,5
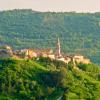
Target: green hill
x,y
44,79
78,32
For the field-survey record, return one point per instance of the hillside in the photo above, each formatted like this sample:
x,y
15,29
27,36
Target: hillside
x,y
44,79
78,32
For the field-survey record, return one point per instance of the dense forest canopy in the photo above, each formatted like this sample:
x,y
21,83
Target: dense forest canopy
x,y
78,32
44,79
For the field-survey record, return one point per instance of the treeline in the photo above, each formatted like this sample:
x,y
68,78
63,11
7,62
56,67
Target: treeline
x,y
78,32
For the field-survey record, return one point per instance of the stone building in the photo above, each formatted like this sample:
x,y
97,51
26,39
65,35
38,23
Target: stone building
x,y
81,59
6,51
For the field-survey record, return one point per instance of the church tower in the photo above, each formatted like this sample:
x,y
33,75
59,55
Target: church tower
x,y
58,49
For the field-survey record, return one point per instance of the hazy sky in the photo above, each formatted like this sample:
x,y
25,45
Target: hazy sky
x,y
52,5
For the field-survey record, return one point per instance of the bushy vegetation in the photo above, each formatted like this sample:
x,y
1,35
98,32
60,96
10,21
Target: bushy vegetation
x,y
44,79
78,32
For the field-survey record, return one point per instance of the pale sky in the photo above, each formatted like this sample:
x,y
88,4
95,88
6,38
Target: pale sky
x,y
52,5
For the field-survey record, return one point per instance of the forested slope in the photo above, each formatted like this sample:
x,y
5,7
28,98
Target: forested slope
x,y
78,32
44,79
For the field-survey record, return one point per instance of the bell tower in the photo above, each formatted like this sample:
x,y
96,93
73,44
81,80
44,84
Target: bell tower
x,y
58,49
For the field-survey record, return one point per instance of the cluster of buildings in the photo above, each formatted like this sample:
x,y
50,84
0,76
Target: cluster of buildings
x,y
6,51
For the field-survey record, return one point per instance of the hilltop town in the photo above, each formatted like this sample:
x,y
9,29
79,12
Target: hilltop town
x,y
7,52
